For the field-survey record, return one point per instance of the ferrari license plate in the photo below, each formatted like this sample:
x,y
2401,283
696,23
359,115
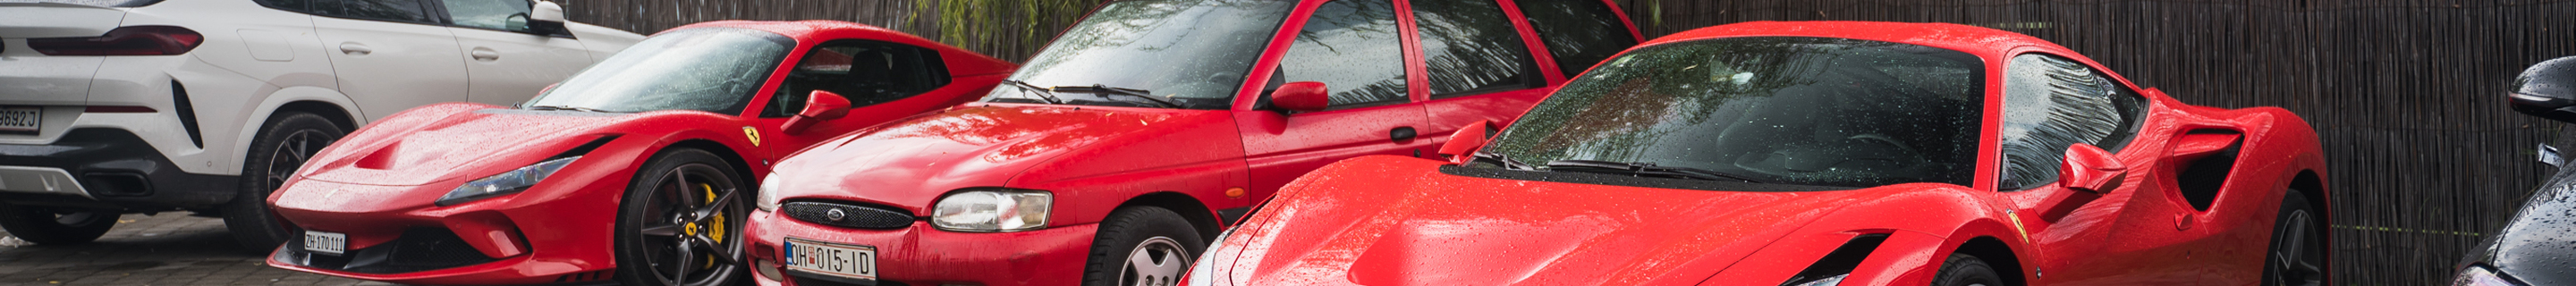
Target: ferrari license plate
x,y
845,261
326,242
21,118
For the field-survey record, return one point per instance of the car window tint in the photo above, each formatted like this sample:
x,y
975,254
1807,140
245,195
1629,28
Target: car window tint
x,y
388,10
865,72
1579,33
488,14
1789,110
1352,46
1470,47
2051,103
289,5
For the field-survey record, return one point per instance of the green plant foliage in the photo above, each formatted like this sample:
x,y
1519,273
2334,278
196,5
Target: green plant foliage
x,y
1011,29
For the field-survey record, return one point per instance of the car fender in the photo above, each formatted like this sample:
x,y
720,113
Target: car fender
x,y
268,105
1936,220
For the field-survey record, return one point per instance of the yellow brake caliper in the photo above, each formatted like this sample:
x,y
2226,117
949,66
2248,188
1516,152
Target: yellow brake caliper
x,y
715,228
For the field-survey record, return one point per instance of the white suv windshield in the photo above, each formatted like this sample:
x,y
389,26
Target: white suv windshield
x,y
706,69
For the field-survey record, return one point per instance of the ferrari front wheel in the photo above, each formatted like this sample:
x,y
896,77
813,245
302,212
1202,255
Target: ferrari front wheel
x,y
2297,254
680,222
1964,270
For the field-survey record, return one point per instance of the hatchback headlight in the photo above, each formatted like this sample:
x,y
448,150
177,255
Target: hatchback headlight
x,y
2480,276
992,210
510,182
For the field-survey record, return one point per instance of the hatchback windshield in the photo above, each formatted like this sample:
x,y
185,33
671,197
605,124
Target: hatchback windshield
x,y
1190,53
705,69
1808,111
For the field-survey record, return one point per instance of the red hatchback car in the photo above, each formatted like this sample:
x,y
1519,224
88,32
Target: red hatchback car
x,y
1819,153
1146,128
633,171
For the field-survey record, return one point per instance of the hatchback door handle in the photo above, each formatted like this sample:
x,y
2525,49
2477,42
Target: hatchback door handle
x,y
1401,134
355,49
485,54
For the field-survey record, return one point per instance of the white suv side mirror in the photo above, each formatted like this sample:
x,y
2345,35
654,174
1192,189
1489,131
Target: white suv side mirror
x,y
546,11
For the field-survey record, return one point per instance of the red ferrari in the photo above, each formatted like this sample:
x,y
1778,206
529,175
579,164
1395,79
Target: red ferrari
x,y
1819,153
634,171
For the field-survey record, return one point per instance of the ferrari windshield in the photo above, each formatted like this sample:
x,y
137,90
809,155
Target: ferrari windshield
x,y
1192,53
704,69
1808,111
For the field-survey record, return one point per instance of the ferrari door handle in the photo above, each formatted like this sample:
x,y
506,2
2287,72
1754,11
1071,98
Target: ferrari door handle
x,y
1401,134
355,49
485,54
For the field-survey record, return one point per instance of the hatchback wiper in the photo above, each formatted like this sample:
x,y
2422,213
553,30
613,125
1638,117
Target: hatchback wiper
x,y
1644,169
1106,90
1043,93
560,107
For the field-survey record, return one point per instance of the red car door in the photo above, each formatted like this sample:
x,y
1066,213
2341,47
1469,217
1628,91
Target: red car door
x,y
1492,60
883,81
1354,48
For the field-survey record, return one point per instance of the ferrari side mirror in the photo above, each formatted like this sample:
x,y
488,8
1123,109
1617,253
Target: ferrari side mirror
x,y
819,106
1462,145
2547,90
1303,96
2089,169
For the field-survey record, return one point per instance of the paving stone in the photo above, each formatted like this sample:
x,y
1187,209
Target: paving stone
x,y
166,249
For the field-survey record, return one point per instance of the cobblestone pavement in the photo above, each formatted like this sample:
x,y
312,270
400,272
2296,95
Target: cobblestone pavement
x,y
167,249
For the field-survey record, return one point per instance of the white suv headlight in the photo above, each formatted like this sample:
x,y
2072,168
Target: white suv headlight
x,y
992,210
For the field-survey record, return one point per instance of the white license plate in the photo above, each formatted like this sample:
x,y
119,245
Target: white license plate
x,y
326,242
846,261
19,118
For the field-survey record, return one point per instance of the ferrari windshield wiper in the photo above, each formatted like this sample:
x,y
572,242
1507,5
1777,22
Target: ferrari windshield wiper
x,y
560,107
1643,169
1106,90
1507,162
1043,93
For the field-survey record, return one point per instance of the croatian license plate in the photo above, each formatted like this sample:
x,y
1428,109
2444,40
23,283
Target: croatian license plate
x,y
845,261
326,242
21,118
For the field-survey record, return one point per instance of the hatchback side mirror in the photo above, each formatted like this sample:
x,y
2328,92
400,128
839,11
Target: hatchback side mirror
x,y
819,106
1303,96
2089,169
547,18
1462,145
2547,90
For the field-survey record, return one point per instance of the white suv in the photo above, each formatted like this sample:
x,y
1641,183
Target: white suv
x,y
139,106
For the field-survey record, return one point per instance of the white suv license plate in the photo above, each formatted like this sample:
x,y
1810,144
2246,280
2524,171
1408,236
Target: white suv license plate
x,y
21,118
326,242
845,261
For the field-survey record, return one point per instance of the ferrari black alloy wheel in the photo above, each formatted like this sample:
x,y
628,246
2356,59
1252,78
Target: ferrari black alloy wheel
x,y
1964,270
680,222
2297,256
282,147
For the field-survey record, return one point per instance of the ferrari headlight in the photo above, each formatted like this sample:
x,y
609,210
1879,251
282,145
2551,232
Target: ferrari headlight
x,y
1204,274
992,210
768,199
2480,276
505,183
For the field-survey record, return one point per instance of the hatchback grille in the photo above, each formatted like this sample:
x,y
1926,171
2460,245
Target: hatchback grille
x,y
851,215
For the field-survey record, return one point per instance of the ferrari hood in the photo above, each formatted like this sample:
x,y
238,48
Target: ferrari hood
x,y
450,141
909,162
1417,226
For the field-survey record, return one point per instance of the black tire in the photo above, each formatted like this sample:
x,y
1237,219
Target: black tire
x,y
659,230
1168,241
282,147
2302,261
1964,270
49,226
